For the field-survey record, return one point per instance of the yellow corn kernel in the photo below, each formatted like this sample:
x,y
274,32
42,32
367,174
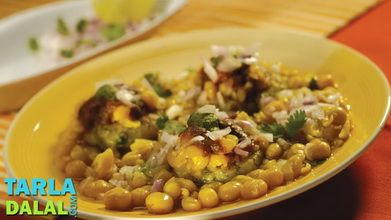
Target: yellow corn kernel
x,y
198,159
132,159
325,81
208,198
163,174
274,106
103,164
217,161
191,159
138,179
185,192
241,94
159,203
256,73
297,81
242,116
121,115
228,143
260,117
210,89
142,146
226,87
151,99
187,184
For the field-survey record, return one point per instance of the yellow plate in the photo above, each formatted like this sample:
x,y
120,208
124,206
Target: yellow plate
x,y
31,141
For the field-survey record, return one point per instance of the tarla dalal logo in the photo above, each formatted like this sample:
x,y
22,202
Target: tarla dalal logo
x,y
40,187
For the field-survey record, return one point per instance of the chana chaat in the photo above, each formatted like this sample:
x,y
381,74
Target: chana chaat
x,y
232,130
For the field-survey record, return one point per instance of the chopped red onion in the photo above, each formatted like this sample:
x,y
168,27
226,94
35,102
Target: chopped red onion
x,y
157,185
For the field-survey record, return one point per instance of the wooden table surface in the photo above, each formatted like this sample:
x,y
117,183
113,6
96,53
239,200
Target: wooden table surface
x,y
316,16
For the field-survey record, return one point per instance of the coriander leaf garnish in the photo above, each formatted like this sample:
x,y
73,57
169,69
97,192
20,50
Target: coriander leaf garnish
x,y
62,27
152,79
106,92
66,53
33,44
216,60
113,31
81,26
277,130
161,122
295,122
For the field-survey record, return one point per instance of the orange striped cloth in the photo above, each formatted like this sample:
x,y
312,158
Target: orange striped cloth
x,y
5,122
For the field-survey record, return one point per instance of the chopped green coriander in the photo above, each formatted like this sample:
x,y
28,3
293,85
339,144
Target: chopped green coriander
x,y
313,85
106,92
33,44
277,130
295,122
62,27
151,77
161,122
81,26
66,53
174,127
170,126
157,87
204,120
113,31
216,60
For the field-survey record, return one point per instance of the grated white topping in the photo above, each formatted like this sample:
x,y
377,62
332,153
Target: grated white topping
x,y
218,134
212,109
190,94
126,96
229,64
195,139
174,111
202,99
244,143
158,158
210,71
207,109
280,117
220,100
